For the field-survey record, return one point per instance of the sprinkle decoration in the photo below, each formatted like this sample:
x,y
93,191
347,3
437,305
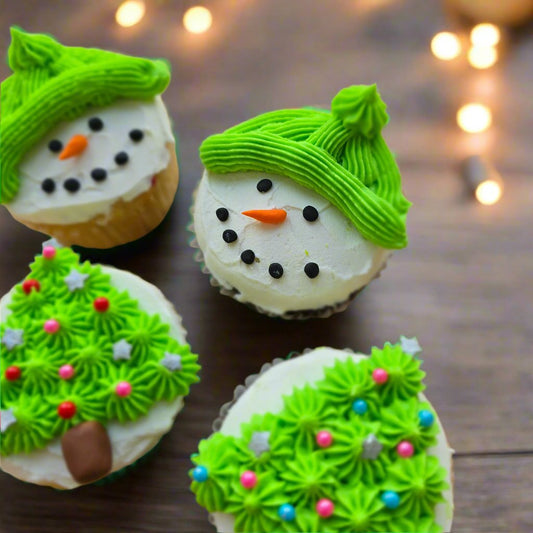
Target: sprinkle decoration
x,y
49,252
324,439
426,418
287,512
359,406
200,474
29,284
7,419
123,389
101,304
122,350
51,326
66,410
325,508
248,479
66,372
380,376
13,338
12,373
391,499
405,449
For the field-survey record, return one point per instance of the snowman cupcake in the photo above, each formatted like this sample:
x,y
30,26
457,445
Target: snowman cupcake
x,y
87,152
330,441
299,209
94,369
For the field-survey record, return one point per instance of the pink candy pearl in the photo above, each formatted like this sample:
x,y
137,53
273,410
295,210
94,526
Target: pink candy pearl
x,y
123,389
49,252
66,371
380,376
248,479
325,507
405,449
324,439
51,326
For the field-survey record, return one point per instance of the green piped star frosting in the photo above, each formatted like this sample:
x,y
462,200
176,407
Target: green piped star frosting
x,y
340,155
292,468
85,340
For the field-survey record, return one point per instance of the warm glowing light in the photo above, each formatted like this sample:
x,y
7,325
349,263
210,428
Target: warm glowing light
x,y
474,118
130,13
482,56
446,45
488,192
485,34
197,19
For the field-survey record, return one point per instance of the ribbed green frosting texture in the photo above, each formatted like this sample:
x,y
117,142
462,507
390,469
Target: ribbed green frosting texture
x,y
293,469
52,83
339,154
85,340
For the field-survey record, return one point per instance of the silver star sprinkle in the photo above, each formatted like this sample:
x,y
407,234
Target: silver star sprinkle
x,y
12,338
172,362
75,280
371,447
7,418
259,442
52,242
410,346
122,350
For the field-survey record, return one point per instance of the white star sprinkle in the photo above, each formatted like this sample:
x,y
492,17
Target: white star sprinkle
x,y
52,242
75,280
122,350
7,418
371,447
410,346
259,442
172,362
12,338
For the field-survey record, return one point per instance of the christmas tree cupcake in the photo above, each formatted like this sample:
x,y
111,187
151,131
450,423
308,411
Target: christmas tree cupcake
x,y
299,209
87,153
330,441
94,368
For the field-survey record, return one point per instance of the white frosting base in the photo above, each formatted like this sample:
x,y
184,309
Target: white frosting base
x,y
266,396
346,260
146,158
131,440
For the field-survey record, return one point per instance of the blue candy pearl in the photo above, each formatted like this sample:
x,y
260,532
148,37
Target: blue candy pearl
x,y
391,499
426,418
200,474
287,512
360,407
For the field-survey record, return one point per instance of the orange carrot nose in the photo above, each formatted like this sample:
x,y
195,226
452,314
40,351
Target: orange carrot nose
x,y
75,146
268,216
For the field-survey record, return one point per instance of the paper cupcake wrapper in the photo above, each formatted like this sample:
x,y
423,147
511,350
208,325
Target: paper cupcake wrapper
x,y
321,312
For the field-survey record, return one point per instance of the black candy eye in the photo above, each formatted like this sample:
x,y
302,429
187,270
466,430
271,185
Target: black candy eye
x,y
99,174
264,185
229,236
222,214
136,135
72,185
55,146
312,270
275,270
121,158
310,213
48,185
96,124
248,257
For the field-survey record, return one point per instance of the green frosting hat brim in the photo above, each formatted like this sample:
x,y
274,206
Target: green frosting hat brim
x,y
52,83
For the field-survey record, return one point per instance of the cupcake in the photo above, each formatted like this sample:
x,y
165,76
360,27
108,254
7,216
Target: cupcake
x,y
330,441
93,372
299,209
87,153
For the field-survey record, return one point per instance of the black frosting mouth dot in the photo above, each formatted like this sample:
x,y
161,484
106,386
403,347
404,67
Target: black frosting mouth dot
x,y
229,236
248,257
275,270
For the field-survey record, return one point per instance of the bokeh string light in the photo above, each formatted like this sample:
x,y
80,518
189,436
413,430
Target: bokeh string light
x,y
474,118
482,180
130,13
485,35
446,46
482,57
197,19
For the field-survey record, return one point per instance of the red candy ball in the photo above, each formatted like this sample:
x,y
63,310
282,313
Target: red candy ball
x,y
101,304
380,376
66,410
13,373
405,449
49,252
29,284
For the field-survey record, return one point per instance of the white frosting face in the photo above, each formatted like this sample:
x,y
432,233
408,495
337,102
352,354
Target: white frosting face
x,y
346,261
266,396
129,441
71,193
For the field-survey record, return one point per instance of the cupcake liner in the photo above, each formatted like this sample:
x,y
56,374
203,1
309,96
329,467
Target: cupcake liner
x,y
126,221
321,312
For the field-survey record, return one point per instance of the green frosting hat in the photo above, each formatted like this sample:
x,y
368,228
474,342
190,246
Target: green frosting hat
x,y
51,83
340,155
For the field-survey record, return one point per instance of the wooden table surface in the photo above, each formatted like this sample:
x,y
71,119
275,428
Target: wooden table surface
x,y
463,286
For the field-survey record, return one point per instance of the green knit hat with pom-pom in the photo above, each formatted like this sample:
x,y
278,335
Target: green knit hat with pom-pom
x,y
51,83
339,154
